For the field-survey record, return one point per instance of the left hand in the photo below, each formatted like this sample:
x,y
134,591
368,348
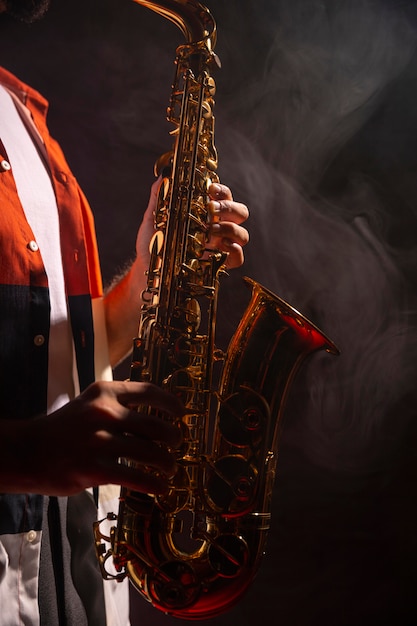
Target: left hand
x,y
226,233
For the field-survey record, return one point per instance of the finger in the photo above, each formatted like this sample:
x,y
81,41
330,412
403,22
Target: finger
x,y
150,428
139,479
228,211
227,233
143,452
217,191
153,195
235,257
131,394
110,407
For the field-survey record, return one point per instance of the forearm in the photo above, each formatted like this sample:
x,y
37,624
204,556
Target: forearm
x,y
122,307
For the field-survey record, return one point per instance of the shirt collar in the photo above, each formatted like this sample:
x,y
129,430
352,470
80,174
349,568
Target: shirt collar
x,y
31,98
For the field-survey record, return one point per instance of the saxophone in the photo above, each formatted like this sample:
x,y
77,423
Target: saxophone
x,y
194,551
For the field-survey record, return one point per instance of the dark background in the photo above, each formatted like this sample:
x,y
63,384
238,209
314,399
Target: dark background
x,y
317,133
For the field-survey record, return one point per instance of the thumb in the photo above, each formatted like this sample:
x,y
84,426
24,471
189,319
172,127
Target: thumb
x,y
147,227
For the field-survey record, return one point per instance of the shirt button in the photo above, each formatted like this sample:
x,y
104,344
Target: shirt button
x,y
39,340
5,165
32,245
31,536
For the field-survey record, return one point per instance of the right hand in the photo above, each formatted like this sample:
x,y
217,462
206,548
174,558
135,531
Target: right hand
x,y
79,446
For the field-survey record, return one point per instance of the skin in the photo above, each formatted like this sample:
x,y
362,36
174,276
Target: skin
x,y
227,235
80,445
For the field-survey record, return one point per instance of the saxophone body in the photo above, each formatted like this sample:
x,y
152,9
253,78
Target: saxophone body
x,y
194,551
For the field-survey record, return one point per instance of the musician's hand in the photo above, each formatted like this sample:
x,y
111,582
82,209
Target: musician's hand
x,y
80,445
226,231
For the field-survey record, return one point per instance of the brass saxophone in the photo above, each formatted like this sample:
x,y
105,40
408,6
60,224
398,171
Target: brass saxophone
x,y
193,552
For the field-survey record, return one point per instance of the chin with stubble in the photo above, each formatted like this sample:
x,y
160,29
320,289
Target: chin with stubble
x,y
25,10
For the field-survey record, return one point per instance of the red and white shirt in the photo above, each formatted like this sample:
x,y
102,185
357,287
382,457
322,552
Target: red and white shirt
x,y
52,331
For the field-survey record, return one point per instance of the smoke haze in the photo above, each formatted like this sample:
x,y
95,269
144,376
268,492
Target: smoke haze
x,y
317,133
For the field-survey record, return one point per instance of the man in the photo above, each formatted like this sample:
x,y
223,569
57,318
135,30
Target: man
x,y
61,432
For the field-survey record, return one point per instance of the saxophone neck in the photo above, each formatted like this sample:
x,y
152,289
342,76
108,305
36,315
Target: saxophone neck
x,y
191,17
